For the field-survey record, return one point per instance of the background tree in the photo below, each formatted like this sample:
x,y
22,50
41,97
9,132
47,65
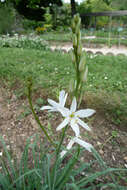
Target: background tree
x,y
73,7
33,9
119,4
94,6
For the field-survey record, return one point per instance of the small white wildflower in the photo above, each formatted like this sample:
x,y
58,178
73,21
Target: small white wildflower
x,y
77,140
106,78
1,153
72,117
54,105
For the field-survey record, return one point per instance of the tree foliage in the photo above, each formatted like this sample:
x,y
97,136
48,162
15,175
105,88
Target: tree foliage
x,y
33,9
119,4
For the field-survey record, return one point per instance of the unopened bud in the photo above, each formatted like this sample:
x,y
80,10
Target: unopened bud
x,y
79,50
82,63
73,26
84,76
74,40
73,57
77,18
77,29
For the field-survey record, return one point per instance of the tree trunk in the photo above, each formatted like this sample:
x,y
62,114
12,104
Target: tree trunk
x,y
73,8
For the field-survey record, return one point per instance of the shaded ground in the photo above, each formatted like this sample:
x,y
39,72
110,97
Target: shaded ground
x,y
15,127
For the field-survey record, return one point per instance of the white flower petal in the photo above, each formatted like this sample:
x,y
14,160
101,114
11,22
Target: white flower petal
x,y
63,153
69,146
61,95
73,105
84,144
63,124
62,103
75,128
64,111
85,113
62,98
46,108
53,103
84,125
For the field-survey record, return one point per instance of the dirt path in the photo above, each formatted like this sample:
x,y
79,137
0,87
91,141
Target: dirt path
x,y
105,50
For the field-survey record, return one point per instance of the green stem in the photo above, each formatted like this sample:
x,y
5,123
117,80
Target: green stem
x,y
69,170
54,170
61,141
36,117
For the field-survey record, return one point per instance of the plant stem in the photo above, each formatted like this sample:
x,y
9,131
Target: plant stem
x,y
61,141
36,117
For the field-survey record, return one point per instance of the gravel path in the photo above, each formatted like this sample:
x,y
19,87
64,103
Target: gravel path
x,y
103,50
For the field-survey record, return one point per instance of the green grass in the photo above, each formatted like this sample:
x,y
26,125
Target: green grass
x,y
57,36
52,71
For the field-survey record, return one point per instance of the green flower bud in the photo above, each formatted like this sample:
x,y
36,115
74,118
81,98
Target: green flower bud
x,y
84,75
76,18
73,57
82,63
74,40
73,26
79,21
79,50
77,29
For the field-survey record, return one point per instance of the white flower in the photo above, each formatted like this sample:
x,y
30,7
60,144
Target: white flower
x,y
72,117
86,145
1,153
54,105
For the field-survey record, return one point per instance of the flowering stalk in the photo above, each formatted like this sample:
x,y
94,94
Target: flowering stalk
x,y
78,60
35,115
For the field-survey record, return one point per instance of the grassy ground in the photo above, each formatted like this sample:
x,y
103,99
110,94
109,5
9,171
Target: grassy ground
x,y
107,81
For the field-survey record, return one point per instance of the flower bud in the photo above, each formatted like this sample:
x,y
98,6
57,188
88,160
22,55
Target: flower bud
x,y
84,76
79,21
74,40
79,50
77,29
73,57
77,18
82,63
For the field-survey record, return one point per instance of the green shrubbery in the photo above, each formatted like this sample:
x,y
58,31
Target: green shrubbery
x,y
7,18
23,42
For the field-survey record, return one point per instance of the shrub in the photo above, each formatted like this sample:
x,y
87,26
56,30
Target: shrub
x,y
7,14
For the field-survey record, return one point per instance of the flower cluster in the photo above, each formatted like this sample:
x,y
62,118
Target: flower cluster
x,y
22,41
71,118
40,30
78,60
